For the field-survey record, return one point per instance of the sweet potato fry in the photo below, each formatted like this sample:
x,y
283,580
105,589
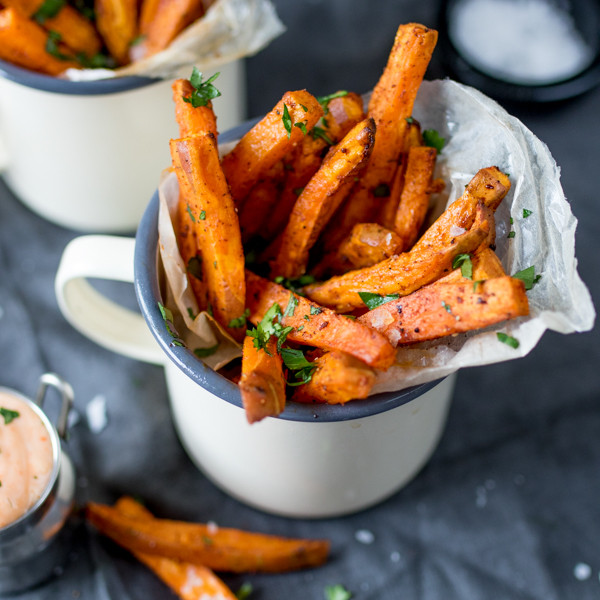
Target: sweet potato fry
x,y
401,274
163,20
444,309
269,140
213,215
390,105
316,326
117,23
344,113
188,581
74,29
367,245
260,201
23,43
262,385
317,202
338,379
489,186
192,120
222,549
389,205
414,199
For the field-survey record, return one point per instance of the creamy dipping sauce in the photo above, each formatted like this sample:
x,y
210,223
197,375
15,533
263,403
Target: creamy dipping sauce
x,y
26,458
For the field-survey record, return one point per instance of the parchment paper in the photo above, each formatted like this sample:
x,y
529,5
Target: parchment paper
x,y
229,30
479,133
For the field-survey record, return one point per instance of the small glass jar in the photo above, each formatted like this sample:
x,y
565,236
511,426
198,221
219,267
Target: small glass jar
x,y
31,546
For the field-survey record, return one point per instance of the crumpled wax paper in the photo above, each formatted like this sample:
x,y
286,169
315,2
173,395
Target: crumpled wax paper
x,y
479,133
229,30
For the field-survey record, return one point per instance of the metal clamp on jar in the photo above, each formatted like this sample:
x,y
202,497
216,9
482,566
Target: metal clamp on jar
x,y
37,485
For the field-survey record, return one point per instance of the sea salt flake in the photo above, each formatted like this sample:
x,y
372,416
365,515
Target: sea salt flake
x,y
455,231
364,536
212,527
582,571
96,414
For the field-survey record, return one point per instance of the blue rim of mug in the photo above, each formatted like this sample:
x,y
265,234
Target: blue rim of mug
x,y
147,288
56,85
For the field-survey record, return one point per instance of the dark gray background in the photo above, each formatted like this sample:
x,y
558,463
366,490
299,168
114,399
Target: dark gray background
x,y
507,507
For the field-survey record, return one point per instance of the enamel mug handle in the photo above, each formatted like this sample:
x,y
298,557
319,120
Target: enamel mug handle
x,y
97,317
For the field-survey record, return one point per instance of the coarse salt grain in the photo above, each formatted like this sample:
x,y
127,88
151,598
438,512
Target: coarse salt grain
x,y
530,42
364,536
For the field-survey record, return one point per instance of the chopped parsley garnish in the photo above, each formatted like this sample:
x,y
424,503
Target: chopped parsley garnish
x,y
295,285
382,191
97,61
315,310
337,592
239,321
204,352
194,267
476,283
47,10
507,339
325,100
319,132
52,48
137,40
528,277
295,361
446,307
527,213
167,316
202,215
269,326
302,126
8,415
433,139
464,262
511,234
511,220
409,120
372,300
244,591
204,91
286,119
291,306
190,313
189,212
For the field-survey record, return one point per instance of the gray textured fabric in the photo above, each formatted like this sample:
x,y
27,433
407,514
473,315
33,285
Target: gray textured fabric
x,y
507,508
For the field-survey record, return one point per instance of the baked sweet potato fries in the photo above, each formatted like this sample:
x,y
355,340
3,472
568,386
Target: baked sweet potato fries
x,y
185,555
50,36
317,222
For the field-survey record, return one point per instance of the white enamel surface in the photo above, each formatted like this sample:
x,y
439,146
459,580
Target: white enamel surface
x,y
92,163
93,314
309,470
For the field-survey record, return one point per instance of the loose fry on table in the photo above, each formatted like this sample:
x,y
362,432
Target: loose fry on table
x,y
390,105
269,141
262,385
444,309
117,23
190,119
389,204
414,199
188,581
161,22
75,30
337,379
344,113
23,43
222,549
317,326
213,216
401,274
320,198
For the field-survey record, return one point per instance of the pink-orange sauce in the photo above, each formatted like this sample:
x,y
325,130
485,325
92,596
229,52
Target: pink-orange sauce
x,y
25,458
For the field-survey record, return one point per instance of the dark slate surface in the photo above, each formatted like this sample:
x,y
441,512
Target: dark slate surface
x,y
507,507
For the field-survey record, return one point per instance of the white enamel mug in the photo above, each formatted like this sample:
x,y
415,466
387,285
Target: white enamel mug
x,y
85,155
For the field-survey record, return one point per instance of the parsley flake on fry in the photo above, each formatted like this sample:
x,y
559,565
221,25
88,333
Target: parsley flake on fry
x,y
286,119
372,300
528,277
433,139
325,100
295,361
464,262
204,91
239,321
291,306
47,10
52,48
507,339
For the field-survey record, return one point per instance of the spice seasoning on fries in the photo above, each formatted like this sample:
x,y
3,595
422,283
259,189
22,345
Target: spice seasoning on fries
x,y
333,202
